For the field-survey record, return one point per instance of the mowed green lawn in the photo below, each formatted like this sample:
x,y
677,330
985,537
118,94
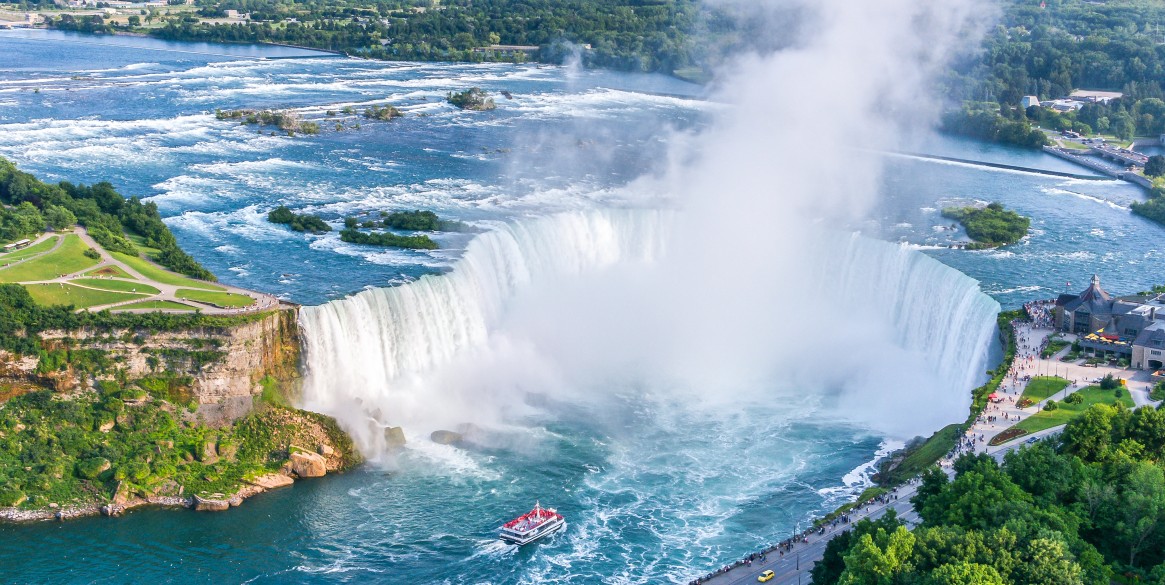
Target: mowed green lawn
x,y
155,273
1042,387
155,305
67,294
218,299
67,259
116,285
18,255
1046,419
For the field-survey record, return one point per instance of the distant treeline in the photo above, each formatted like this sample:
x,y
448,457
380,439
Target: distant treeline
x,y
105,213
635,35
1048,49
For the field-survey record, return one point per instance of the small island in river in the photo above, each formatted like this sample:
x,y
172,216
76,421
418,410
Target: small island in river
x,y
991,226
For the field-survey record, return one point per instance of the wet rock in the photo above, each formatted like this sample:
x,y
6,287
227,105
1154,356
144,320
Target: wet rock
x,y
445,437
394,437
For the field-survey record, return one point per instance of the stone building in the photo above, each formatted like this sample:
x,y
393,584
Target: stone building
x,y
1129,326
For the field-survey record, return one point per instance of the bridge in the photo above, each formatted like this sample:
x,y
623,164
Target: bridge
x,y
1123,156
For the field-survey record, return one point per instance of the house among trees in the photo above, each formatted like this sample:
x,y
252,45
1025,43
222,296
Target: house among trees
x,y
1130,326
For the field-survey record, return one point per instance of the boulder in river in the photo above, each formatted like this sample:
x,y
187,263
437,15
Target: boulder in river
x,y
394,437
445,437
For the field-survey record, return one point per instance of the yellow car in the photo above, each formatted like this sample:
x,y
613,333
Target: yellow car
x,y
766,576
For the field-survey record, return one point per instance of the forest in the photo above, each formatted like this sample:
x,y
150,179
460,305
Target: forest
x,y
1048,49
1077,510
633,35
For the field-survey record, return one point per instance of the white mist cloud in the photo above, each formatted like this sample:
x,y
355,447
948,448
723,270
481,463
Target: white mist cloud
x,y
747,293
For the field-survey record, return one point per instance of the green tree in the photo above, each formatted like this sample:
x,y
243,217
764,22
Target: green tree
x,y
1048,562
58,217
964,573
1141,511
879,558
1155,167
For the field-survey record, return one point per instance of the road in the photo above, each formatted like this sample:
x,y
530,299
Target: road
x,y
793,566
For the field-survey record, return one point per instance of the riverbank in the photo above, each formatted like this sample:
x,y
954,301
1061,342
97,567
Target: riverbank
x,y
899,473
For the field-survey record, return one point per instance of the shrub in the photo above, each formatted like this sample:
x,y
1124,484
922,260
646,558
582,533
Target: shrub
x,y
1108,382
1050,405
11,497
1074,398
92,467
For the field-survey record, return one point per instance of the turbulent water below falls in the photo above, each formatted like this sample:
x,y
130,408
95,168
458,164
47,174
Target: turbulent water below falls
x,y
659,480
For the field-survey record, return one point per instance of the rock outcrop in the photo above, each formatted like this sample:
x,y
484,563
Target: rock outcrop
x,y
223,365
308,464
445,437
394,437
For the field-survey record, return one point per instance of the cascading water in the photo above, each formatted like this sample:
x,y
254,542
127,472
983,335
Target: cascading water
x,y
872,322
363,349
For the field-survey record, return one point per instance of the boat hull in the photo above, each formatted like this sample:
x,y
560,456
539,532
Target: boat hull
x,y
541,532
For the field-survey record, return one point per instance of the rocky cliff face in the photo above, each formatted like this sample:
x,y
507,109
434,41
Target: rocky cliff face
x,y
219,369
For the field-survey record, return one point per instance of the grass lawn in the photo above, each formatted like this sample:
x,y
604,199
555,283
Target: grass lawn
x,y
156,305
109,270
1054,347
18,255
927,454
1042,387
69,258
154,272
116,285
58,294
1065,412
219,299
1075,145
140,242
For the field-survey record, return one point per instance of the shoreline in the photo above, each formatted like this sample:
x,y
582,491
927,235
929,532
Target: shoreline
x,y
211,503
886,493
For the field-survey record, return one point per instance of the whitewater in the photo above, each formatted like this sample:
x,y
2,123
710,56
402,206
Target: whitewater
x,y
425,355
668,454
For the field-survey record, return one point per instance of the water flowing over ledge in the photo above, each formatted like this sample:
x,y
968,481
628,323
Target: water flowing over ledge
x,y
876,323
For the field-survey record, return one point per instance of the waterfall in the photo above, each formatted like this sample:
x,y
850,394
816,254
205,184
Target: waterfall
x,y
430,350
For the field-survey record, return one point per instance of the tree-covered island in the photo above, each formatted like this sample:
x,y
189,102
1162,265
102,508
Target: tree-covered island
x,y
300,222
991,226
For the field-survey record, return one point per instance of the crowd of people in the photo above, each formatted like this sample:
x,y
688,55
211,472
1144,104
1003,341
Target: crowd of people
x,y
1040,313
789,544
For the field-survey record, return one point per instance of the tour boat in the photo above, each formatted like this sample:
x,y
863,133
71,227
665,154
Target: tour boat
x,y
532,525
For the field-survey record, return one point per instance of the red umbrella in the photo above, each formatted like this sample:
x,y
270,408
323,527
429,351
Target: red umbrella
x,y
992,396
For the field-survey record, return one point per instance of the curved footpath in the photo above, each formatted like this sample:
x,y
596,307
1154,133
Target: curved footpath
x,y
168,292
793,560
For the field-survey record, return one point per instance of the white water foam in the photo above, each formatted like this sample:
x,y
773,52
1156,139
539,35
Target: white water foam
x,y
414,355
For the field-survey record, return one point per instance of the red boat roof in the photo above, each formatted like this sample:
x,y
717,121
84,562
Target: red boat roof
x,y
532,518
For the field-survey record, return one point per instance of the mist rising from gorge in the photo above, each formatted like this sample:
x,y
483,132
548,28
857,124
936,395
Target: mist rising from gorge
x,y
743,290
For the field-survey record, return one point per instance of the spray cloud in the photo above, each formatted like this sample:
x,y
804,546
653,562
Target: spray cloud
x,y
748,290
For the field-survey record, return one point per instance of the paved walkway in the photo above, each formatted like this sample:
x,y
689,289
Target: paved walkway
x,y
168,292
793,565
